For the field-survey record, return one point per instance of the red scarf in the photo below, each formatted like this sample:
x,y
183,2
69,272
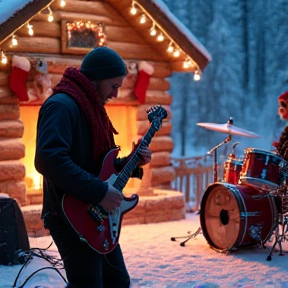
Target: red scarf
x,y
81,89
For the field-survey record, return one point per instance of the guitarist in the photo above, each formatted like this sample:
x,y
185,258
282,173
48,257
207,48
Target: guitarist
x,y
74,134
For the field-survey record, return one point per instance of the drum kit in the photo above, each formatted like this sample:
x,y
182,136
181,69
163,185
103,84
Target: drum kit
x,y
250,205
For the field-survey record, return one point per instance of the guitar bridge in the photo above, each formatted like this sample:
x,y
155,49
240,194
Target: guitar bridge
x,y
98,213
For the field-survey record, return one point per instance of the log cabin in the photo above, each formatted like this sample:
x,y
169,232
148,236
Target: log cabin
x,y
43,38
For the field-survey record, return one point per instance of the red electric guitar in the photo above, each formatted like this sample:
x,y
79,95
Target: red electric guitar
x,y
95,225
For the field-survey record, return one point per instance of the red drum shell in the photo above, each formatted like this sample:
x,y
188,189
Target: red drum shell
x,y
230,214
261,168
232,170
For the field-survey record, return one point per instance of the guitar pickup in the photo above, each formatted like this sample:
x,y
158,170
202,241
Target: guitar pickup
x,y
98,213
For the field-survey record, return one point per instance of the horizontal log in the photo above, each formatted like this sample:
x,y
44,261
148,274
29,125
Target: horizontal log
x,y
118,34
15,189
41,29
9,112
159,84
95,8
162,175
5,91
161,143
11,170
11,99
142,114
158,97
143,126
11,149
11,129
160,159
4,79
135,51
34,45
73,16
58,65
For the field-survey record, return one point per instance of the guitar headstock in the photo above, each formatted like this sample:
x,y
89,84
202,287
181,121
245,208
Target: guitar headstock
x,y
155,115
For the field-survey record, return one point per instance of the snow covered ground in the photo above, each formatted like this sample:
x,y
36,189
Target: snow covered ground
x,y
153,260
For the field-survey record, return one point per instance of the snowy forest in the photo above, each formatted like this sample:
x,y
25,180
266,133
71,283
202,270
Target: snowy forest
x,y
248,71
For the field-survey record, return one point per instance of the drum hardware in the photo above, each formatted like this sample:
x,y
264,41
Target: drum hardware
x,y
199,231
280,236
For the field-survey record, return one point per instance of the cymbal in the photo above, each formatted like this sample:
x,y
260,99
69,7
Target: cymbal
x,y
228,129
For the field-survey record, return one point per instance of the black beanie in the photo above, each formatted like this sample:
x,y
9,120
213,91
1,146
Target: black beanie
x,y
102,63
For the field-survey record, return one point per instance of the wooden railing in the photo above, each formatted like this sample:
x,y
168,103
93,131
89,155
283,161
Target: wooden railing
x,y
193,175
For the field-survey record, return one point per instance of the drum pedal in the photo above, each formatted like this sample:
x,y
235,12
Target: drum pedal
x,y
199,231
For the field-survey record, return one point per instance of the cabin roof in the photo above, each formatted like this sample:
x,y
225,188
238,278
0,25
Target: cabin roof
x,y
16,13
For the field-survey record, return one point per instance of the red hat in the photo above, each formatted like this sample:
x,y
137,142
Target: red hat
x,y
283,96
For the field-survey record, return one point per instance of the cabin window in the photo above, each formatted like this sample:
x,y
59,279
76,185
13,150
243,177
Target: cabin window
x,y
81,36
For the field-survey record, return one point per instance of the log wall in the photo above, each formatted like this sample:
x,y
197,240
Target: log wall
x,y
46,44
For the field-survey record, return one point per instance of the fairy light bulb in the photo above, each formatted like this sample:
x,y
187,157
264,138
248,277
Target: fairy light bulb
x,y
197,75
62,3
14,41
133,10
176,53
186,64
153,31
50,17
30,30
4,59
170,48
143,19
160,37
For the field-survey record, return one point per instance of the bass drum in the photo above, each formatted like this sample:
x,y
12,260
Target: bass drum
x,y
232,216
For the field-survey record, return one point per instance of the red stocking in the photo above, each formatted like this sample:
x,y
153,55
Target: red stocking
x,y
142,82
18,77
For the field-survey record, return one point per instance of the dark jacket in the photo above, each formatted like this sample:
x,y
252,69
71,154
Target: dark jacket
x,y
64,154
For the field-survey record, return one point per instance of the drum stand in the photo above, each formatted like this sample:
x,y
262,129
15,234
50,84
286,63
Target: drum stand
x,y
199,230
280,236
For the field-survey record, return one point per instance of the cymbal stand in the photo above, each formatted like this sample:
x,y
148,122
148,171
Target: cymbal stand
x,y
214,149
199,230
280,236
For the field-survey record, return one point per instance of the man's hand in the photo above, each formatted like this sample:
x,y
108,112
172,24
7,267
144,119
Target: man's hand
x,y
144,153
112,199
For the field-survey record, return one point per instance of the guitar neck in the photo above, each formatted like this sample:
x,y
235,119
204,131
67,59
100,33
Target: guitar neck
x,y
132,163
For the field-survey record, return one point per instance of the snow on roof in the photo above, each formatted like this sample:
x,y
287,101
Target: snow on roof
x,y
176,22
9,7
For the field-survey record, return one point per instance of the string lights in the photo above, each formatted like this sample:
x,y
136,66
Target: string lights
x,y
4,59
50,16
172,48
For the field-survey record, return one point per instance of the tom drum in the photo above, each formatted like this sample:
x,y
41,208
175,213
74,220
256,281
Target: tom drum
x,y
261,168
232,169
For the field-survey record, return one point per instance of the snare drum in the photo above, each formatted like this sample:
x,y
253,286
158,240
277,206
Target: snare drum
x,y
233,216
261,168
232,169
